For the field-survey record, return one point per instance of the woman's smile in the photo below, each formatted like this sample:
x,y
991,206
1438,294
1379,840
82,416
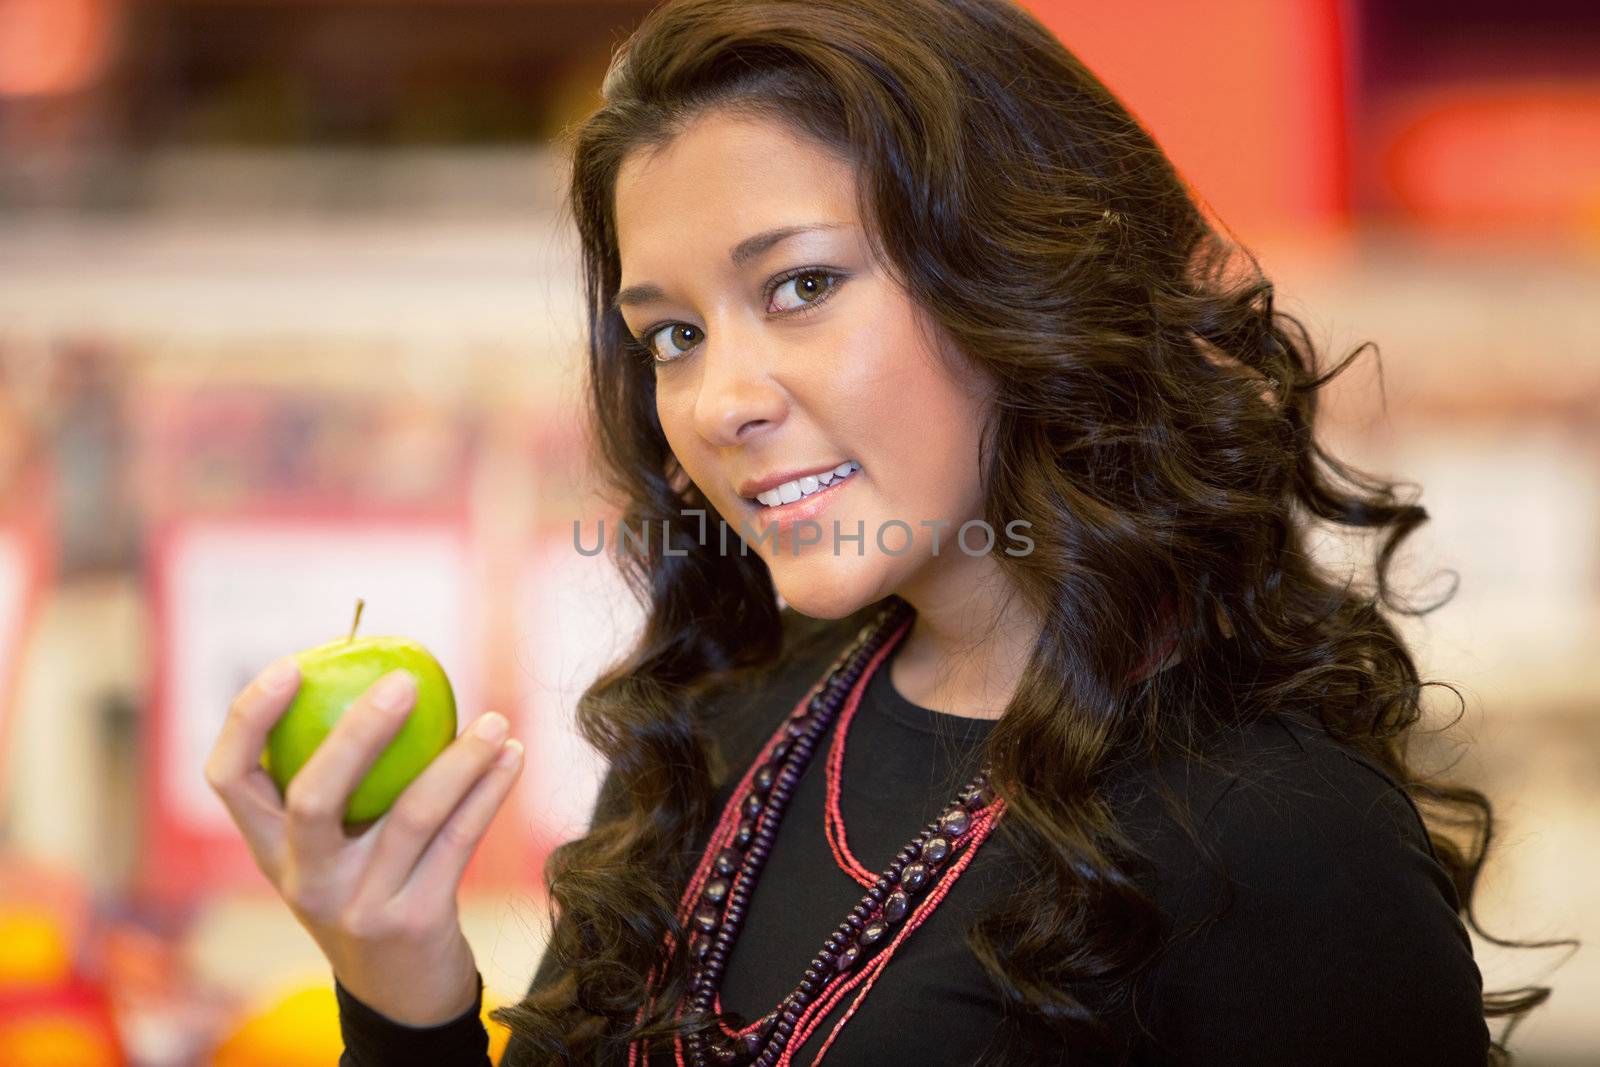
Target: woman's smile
x,y
797,500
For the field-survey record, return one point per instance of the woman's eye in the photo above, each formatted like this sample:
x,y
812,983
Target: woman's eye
x,y
808,288
674,332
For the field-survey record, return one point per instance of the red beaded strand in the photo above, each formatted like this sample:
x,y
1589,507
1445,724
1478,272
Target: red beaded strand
x,y
983,823
832,816
783,734
749,821
736,852
721,833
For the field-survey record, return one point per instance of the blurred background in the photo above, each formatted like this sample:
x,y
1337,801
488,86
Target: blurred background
x,y
289,315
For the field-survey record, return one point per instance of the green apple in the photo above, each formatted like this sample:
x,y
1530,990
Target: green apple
x,y
332,676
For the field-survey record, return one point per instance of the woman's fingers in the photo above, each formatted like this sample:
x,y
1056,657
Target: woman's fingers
x,y
421,813
438,873
318,794
233,768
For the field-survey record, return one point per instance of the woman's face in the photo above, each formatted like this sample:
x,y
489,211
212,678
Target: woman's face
x,y
784,351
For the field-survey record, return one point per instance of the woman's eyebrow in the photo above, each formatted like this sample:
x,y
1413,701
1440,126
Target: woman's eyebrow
x,y
739,255
751,247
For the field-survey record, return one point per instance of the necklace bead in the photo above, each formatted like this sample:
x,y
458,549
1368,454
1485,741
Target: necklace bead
x,y
913,877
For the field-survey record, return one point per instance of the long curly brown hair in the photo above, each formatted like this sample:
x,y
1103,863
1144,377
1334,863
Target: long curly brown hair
x,y
1153,422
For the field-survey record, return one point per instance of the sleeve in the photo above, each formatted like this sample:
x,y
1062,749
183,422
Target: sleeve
x,y
1342,943
374,1040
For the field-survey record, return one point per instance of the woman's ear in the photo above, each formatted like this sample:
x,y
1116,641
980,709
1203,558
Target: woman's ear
x,y
677,477
1222,622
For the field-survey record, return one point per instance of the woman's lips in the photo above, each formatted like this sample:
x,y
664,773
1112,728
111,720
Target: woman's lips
x,y
785,517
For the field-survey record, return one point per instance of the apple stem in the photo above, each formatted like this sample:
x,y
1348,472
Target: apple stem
x,y
359,605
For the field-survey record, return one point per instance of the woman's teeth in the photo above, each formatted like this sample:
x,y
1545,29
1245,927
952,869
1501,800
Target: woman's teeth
x,y
789,492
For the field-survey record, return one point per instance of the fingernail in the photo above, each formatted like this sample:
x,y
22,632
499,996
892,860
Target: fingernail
x,y
279,676
492,727
394,691
510,754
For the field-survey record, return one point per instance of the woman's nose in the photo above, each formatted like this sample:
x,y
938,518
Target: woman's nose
x,y
737,397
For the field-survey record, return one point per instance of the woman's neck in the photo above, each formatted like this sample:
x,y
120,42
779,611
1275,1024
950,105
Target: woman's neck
x,y
967,651
969,644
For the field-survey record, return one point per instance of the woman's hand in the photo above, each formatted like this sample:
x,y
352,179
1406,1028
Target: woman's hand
x,y
381,904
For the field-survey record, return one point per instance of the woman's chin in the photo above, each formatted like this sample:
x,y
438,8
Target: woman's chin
x,y
825,588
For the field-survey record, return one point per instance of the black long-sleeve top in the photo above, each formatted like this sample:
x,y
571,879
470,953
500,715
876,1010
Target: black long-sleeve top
x,y
1342,944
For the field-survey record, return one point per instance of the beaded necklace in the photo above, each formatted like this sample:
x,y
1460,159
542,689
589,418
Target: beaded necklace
x,y
896,902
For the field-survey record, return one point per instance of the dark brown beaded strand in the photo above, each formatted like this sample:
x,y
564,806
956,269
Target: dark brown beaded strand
x,y
898,906
725,855
761,817
926,868
714,903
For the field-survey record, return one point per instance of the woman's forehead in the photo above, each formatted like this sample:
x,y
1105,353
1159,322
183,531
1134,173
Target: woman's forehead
x,y
732,177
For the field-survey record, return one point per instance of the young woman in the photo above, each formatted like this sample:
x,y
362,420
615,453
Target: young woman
x,y
990,706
